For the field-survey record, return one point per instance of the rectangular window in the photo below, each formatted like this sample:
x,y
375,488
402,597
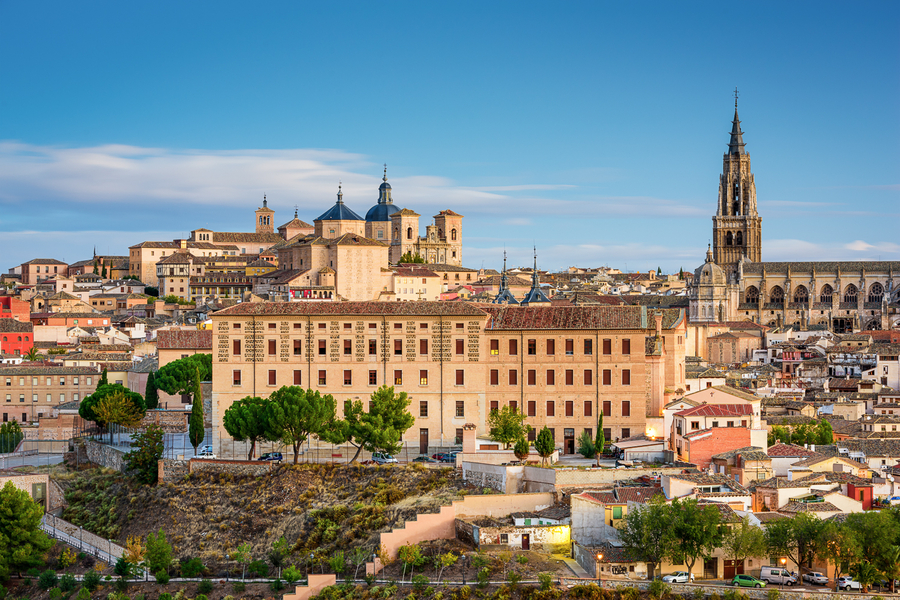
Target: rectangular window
x,y
423,408
373,377
532,377
607,408
323,347
532,347
588,408
460,347
626,408
271,377
626,377
588,347
495,377
532,408
617,512
513,347
588,377
75,380
236,347
348,347
273,347
626,433
236,326
298,326
322,377
322,325
373,347
398,347
607,346
298,377
626,346
551,408
348,326
348,377
570,347
423,377
423,347
570,408
551,347
494,406
49,381
459,435
398,377
607,377
495,347
513,377
513,405
551,377
460,408
460,377
236,377
298,345
398,325
570,377
532,434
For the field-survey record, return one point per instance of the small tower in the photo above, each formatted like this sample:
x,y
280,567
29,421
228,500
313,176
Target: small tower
x,y
378,219
737,226
504,296
264,218
449,226
535,295
404,233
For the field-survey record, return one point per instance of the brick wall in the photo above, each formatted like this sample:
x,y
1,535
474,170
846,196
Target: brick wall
x,y
720,439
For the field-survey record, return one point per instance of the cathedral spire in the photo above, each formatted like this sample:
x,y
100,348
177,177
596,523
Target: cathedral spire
x,y
535,294
340,194
736,143
504,296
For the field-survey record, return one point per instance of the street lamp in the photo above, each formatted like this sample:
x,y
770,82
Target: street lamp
x,y
783,563
599,558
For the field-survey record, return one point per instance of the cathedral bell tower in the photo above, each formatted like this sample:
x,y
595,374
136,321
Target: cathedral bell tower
x,y
737,226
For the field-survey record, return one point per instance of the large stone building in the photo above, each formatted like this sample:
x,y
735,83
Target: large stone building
x,y
734,283
458,361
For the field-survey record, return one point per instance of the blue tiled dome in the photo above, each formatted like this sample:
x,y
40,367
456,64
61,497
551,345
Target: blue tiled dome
x,y
381,212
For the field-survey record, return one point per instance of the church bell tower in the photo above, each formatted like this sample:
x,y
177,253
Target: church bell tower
x,y
737,226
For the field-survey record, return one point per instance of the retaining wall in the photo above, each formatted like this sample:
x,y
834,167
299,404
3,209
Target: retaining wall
x,y
172,470
236,467
313,587
105,455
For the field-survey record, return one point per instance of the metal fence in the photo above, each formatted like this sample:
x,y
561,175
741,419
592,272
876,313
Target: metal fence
x,y
316,451
48,523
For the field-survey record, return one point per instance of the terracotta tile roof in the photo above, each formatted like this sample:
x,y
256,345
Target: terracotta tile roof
x,y
793,507
353,308
736,451
637,494
44,261
45,370
575,317
177,258
717,410
229,237
405,212
784,483
726,513
768,517
447,213
780,450
711,479
601,497
195,339
818,458
411,271
8,325
733,335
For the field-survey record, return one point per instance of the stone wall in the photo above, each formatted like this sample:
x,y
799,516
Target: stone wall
x,y
541,479
506,480
104,455
254,468
170,421
172,470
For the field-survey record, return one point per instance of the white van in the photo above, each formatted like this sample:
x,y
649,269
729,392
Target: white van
x,y
777,575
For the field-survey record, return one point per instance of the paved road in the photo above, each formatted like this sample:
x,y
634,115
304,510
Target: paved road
x,y
31,460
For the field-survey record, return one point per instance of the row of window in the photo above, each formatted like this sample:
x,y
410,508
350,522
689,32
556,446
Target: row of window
x,y
569,374
347,326
6,338
568,407
49,381
272,378
550,347
34,398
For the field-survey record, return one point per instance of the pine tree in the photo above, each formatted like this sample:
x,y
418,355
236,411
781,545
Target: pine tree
x,y
151,394
196,431
20,529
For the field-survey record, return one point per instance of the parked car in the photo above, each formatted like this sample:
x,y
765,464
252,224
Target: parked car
x,y
272,456
816,578
777,575
383,458
847,583
747,581
425,459
449,457
679,577
438,456
205,452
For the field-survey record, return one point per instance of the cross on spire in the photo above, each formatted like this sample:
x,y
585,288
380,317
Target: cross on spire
x,y
385,172
295,211
736,94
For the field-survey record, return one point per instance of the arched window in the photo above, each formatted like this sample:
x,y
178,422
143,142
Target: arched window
x,y
826,294
4,339
409,233
776,296
801,295
729,239
736,199
453,235
851,293
739,238
873,325
876,292
752,295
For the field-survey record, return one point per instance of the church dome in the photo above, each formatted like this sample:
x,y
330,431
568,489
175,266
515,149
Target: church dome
x,y
340,211
710,273
381,212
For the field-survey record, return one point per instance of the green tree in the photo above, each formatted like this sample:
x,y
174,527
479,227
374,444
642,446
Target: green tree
x,y
151,393
104,380
507,425
445,560
151,291
681,273
743,541
146,452
379,429
409,257
103,272
120,408
647,533
411,556
10,436
824,432
798,538
697,529
279,552
522,448
659,270
24,544
159,552
544,444
245,421
865,573
178,377
337,562
95,267
600,440
293,414
876,531
890,566
838,544
32,355
87,410
196,429
586,446
243,556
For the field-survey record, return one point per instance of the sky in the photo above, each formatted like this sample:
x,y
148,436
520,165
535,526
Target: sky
x,y
593,131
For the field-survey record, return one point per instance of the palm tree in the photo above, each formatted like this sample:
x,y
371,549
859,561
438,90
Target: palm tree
x,y
865,573
892,566
32,355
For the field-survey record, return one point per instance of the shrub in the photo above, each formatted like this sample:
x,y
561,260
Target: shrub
x,y
67,558
480,561
33,572
122,568
522,559
483,577
628,593
162,577
259,568
659,590
201,597
513,578
546,581
67,583
277,585
55,594
773,595
239,586
83,594
165,596
420,582
192,568
205,586
48,579
91,581
122,585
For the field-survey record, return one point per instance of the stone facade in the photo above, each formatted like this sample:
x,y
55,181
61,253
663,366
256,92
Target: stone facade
x,y
105,455
172,470
31,392
251,468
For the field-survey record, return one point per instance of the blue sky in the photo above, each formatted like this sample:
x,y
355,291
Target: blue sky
x,y
593,130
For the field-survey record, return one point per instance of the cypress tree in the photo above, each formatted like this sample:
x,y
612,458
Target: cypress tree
x,y
104,380
151,395
600,442
196,432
